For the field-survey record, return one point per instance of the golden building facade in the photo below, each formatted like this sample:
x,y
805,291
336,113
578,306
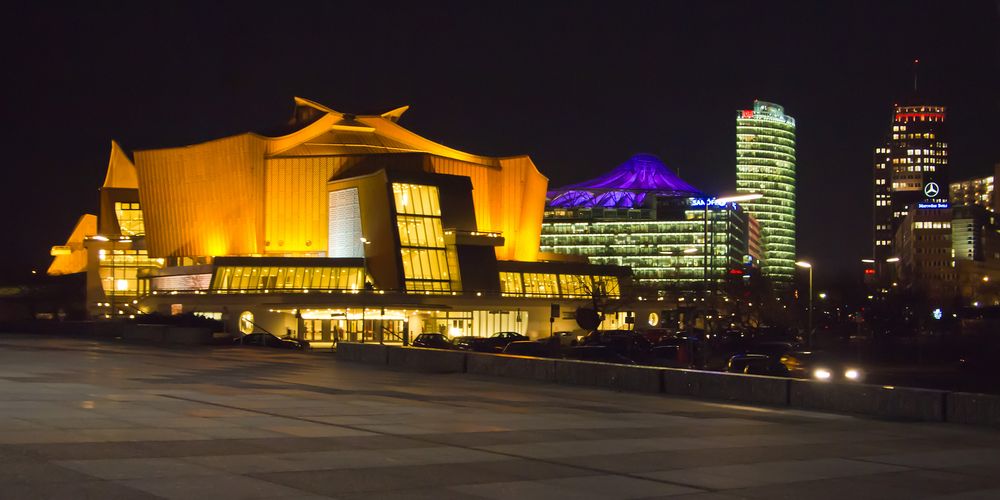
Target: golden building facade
x,y
254,195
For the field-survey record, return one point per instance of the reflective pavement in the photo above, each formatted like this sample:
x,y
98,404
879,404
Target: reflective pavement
x,y
105,420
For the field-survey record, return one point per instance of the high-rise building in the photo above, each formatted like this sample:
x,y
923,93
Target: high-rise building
x,y
925,260
978,191
910,171
765,164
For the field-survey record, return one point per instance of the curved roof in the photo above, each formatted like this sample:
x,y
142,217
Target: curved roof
x,y
336,133
624,187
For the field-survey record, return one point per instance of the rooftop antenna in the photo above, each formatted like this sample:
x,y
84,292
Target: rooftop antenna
x,y
916,63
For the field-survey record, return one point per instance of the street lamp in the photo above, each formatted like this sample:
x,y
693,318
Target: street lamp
x,y
809,266
719,201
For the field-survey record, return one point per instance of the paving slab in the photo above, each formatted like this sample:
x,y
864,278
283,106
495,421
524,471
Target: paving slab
x,y
105,420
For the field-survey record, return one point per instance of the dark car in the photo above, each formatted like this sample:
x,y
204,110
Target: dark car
x,y
264,339
538,349
670,355
821,366
657,335
495,343
627,343
599,353
433,341
756,364
564,339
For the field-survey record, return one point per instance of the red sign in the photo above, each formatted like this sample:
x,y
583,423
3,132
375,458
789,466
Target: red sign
x,y
869,271
736,271
747,113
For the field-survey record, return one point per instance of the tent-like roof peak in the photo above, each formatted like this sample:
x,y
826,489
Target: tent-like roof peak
x,y
626,186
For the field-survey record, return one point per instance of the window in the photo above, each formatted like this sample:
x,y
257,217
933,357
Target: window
x,y
129,219
510,285
541,284
265,279
119,270
429,266
575,285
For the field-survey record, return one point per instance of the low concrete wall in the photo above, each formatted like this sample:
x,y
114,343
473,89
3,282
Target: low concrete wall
x,y
499,365
968,408
96,329
427,360
884,401
144,333
612,376
189,335
726,386
892,402
376,354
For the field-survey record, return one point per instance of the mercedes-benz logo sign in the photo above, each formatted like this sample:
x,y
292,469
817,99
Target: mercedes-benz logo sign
x,y
931,189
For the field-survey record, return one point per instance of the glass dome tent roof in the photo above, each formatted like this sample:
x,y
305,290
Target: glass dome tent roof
x,y
627,186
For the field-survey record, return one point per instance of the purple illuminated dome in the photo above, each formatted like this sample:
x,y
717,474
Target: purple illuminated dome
x,y
624,187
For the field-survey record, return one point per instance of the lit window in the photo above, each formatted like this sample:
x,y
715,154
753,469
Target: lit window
x,y
428,265
129,219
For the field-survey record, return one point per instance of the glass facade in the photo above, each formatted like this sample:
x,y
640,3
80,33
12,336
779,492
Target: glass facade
x,y
666,254
129,217
266,279
429,265
517,284
765,164
119,270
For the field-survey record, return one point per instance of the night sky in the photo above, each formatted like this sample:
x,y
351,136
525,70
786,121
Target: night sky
x,y
578,86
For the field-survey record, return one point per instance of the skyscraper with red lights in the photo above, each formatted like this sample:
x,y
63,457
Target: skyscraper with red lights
x,y
910,172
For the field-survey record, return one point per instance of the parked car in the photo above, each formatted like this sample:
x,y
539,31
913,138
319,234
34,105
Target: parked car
x,y
433,341
628,343
538,349
669,355
565,339
264,339
822,366
599,353
494,343
657,335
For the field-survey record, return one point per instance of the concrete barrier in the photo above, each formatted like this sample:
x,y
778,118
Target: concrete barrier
x,y
499,365
612,376
969,408
375,354
883,401
144,333
188,335
726,386
427,360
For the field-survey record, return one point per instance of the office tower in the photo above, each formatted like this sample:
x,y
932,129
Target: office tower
x,y
765,164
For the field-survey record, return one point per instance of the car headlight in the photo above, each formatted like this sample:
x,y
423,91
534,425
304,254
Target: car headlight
x,y
852,374
822,374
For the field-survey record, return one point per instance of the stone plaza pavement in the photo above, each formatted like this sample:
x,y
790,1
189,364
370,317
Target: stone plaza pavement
x,y
104,420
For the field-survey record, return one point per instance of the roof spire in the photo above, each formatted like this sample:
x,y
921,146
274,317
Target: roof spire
x,y
916,64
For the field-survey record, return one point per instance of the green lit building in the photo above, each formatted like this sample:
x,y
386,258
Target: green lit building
x,y
765,163
642,216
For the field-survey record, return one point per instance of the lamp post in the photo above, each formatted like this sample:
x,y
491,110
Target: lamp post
x,y
809,266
